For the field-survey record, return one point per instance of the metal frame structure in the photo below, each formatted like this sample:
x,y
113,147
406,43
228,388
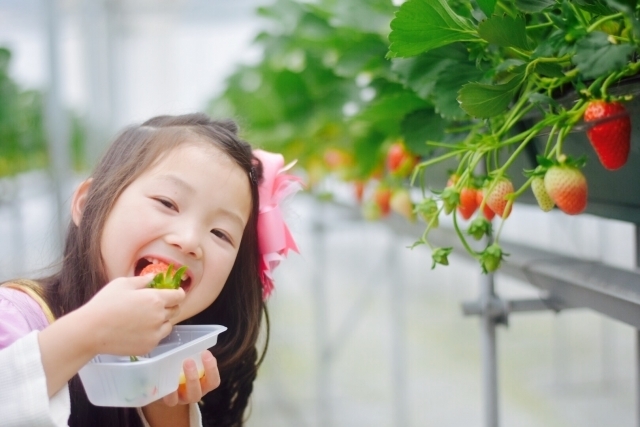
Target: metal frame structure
x,y
328,346
568,283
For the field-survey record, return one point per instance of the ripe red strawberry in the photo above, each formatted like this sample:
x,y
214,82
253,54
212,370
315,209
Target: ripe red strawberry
x,y
164,277
400,161
358,190
567,187
159,267
612,139
541,195
382,198
335,158
486,210
496,199
468,202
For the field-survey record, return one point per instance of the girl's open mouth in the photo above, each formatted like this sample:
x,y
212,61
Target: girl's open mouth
x,y
143,263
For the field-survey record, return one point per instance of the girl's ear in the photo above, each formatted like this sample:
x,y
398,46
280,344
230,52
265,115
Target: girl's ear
x,y
79,200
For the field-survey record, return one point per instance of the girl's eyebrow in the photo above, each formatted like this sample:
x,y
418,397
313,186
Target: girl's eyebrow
x,y
176,180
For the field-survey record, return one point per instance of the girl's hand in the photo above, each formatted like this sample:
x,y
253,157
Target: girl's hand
x,y
195,386
129,318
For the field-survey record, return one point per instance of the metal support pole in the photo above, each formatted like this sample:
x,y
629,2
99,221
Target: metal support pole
x,y
322,319
637,338
398,336
637,377
96,56
489,356
57,123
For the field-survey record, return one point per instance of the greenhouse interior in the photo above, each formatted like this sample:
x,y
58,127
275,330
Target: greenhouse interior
x,y
451,268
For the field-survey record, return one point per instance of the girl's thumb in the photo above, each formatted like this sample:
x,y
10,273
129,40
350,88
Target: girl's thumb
x,y
140,282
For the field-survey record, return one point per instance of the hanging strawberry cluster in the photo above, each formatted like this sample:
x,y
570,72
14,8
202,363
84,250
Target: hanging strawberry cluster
x,y
526,77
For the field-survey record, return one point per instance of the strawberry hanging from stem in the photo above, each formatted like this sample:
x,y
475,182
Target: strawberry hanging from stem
x,y
566,185
611,139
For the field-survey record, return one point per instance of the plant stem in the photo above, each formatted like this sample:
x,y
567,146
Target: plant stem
x,y
461,236
579,15
439,159
523,188
602,20
517,152
547,147
536,26
514,112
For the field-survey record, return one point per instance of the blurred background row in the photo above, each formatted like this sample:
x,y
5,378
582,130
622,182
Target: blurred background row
x,y
364,332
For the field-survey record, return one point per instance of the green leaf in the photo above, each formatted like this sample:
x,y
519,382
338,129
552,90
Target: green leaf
x,y
483,100
359,54
487,6
596,56
420,126
595,7
505,31
549,69
445,93
534,6
386,113
366,149
542,99
422,25
421,73
623,5
371,16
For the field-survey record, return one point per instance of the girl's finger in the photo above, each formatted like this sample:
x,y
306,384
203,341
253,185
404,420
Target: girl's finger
x,y
171,399
172,312
211,379
192,388
171,297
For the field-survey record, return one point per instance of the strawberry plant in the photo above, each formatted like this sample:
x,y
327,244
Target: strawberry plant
x,y
23,139
468,88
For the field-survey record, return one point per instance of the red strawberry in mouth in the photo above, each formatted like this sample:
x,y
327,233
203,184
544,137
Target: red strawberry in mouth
x,y
166,277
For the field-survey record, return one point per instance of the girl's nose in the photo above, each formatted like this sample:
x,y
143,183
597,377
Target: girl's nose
x,y
187,241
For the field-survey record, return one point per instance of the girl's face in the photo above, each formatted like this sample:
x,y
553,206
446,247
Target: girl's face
x,y
189,209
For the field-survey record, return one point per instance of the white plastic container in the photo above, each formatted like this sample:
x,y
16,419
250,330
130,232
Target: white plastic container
x,y
117,381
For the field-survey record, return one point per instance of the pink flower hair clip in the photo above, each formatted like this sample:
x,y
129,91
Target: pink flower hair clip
x,y
274,238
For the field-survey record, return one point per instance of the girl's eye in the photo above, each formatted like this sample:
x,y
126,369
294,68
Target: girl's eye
x,y
168,204
220,234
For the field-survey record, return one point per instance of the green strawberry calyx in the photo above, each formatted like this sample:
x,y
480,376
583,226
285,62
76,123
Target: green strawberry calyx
x,y
168,279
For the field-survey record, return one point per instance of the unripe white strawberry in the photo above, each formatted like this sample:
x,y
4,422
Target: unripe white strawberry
x,y
401,203
541,195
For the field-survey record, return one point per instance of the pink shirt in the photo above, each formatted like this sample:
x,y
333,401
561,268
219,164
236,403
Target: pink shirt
x,y
19,315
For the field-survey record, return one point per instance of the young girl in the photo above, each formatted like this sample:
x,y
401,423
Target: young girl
x,y
183,190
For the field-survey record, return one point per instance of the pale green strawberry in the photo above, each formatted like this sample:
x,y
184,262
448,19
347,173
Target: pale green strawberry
x,y
541,195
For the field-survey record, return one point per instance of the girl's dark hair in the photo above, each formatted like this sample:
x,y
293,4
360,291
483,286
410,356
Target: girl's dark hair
x,y
239,306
